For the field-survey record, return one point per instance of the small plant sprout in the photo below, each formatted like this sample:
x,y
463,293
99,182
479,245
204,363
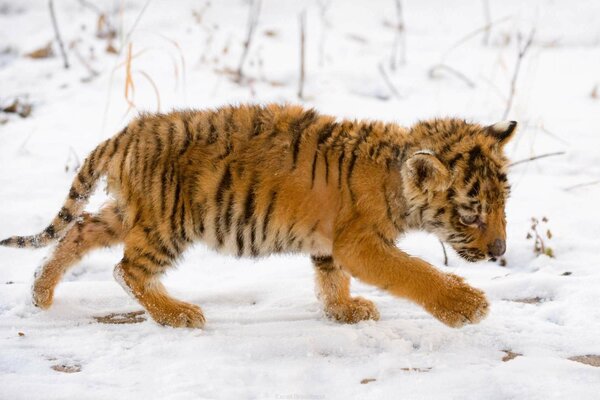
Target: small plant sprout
x,y
540,234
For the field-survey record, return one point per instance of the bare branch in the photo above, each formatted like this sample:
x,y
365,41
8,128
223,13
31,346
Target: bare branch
x,y
302,20
513,83
57,34
135,23
473,34
252,23
580,185
434,73
388,82
399,45
558,153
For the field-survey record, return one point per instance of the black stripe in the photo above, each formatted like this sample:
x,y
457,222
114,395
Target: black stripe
x,y
240,239
229,213
145,270
298,128
187,134
314,169
340,165
125,154
49,231
115,142
268,213
212,130
103,148
224,185
325,133
250,203
65,215
474,191
199,211
158,244
73,194
257,124
253,249
474,155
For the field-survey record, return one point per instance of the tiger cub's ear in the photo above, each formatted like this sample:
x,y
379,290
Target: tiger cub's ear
x,y
425,172
502,131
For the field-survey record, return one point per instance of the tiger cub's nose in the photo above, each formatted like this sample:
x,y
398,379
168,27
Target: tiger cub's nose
x,y
497,248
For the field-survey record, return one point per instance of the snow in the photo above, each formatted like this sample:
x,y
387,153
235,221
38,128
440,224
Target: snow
x,y
266,336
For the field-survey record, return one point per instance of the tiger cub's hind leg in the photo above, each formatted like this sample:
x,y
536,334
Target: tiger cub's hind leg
x,y
147,257
91,231
333,289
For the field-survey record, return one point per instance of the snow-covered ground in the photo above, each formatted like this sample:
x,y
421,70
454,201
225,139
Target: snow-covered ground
x,y
266,336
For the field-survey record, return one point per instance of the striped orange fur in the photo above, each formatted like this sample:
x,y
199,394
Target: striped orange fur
x,y
255,180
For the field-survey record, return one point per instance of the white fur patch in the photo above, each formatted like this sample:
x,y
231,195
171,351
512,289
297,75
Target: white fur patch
x,y
502,126
118,275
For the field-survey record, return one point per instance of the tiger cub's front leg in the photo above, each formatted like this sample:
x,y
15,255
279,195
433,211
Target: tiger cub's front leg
x,y
147,257
333,289
374,260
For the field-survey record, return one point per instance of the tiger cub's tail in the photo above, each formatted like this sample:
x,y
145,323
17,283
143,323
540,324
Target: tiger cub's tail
x,y
93,168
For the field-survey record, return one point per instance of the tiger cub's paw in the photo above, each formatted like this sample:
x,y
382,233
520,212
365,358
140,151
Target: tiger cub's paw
x,y
459,304
42,296
352,311
178,314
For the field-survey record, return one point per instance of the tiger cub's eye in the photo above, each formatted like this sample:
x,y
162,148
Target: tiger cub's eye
x,y
469,219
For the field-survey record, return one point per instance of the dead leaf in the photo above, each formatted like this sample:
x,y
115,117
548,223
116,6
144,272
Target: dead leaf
x,y
133,317
588,359
510,355
111,49
18,107
42,52
270,33
367,380
67,368
21,334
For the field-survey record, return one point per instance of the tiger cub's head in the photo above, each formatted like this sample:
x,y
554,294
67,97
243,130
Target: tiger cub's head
x,y
454,180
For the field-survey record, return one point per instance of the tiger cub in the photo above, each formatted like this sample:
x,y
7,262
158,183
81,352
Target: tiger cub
x,y
255,180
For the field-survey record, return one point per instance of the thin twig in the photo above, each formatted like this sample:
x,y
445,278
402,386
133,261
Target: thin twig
x,y
388,82
399,38
57,34
513,83
473,34
135,23
580,185
252,22
302,20
558,153
445,254
452,71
